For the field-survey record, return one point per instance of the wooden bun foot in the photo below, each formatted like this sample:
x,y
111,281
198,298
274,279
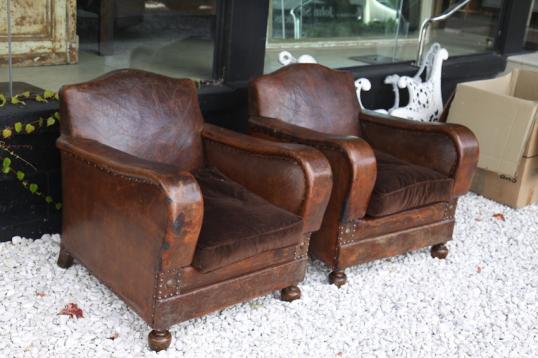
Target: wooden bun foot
x,y
159,340
290,293
338,278
439,251
65,260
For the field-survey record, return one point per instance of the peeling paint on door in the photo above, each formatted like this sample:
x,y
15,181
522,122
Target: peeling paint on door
x,y
43,32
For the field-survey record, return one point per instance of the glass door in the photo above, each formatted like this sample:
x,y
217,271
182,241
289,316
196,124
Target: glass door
x,y
346,33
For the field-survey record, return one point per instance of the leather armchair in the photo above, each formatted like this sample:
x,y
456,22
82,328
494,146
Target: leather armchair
x,y
396,182
177,217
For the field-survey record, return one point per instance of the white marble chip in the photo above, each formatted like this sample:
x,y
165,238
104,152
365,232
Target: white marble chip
x,y
480,302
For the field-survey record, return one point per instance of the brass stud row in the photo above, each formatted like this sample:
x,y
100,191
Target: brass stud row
x,y
301,251
169,284
110,171
347,231
449,212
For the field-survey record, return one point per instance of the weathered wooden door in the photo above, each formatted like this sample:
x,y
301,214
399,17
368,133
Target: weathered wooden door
x,y
43,32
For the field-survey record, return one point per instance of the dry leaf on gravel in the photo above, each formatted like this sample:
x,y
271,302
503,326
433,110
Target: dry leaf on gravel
x,y
499,216
72,310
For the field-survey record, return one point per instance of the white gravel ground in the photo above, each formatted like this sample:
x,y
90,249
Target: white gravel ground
x,y
480,302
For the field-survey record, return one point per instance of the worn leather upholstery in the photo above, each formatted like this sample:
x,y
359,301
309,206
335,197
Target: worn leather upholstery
x,y
385,170
139,213
123,112
239,224
298,95
402,186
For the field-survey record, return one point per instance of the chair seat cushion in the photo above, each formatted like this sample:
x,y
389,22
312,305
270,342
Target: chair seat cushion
x,y
402,186
239,224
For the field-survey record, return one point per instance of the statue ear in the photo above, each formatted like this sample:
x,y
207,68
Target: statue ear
x,y
362,84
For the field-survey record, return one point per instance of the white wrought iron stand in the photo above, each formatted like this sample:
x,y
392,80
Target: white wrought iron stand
x,y
425,98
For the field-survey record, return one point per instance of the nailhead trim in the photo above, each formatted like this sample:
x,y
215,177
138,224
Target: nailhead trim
x,y
301,250
168,284
449,212
110,171
230,147
289,138
346,233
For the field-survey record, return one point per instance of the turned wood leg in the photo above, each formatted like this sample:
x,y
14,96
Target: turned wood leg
x,y
338,278
439,251
290,293
65,260
159,340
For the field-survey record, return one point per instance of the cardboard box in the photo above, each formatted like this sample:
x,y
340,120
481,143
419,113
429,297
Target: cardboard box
x,y
503,112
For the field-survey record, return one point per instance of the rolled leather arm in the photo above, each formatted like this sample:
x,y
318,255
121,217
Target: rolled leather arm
x,y
352,161
450,149
293,177
179,194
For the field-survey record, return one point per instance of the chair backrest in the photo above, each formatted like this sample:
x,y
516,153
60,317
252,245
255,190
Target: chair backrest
x,y
310,96
144,114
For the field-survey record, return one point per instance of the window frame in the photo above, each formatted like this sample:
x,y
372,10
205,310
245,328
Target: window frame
x,y
242,36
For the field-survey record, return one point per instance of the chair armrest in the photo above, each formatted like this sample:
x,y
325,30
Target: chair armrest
x,y
177,194
450,149
293,177
352,161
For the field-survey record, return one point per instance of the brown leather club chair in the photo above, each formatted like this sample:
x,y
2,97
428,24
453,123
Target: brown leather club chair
x,y
395,182
177,217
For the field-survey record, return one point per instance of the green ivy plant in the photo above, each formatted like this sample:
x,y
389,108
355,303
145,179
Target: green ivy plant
x,y
19,99
9,157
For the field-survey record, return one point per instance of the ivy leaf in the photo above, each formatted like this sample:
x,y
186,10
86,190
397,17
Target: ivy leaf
x,y
40,121
57,115
2,100
72,310
6,133
25,94
50,121
20,175
33,188
38,98
57,96
18,127
16,100
29,128
59,206
6,165
48,199
48,94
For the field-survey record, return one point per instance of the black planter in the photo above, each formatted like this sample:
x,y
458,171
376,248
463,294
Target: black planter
x,y
21,212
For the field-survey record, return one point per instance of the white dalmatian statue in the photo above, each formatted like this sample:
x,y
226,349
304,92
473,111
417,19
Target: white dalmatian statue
x,y
425,97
